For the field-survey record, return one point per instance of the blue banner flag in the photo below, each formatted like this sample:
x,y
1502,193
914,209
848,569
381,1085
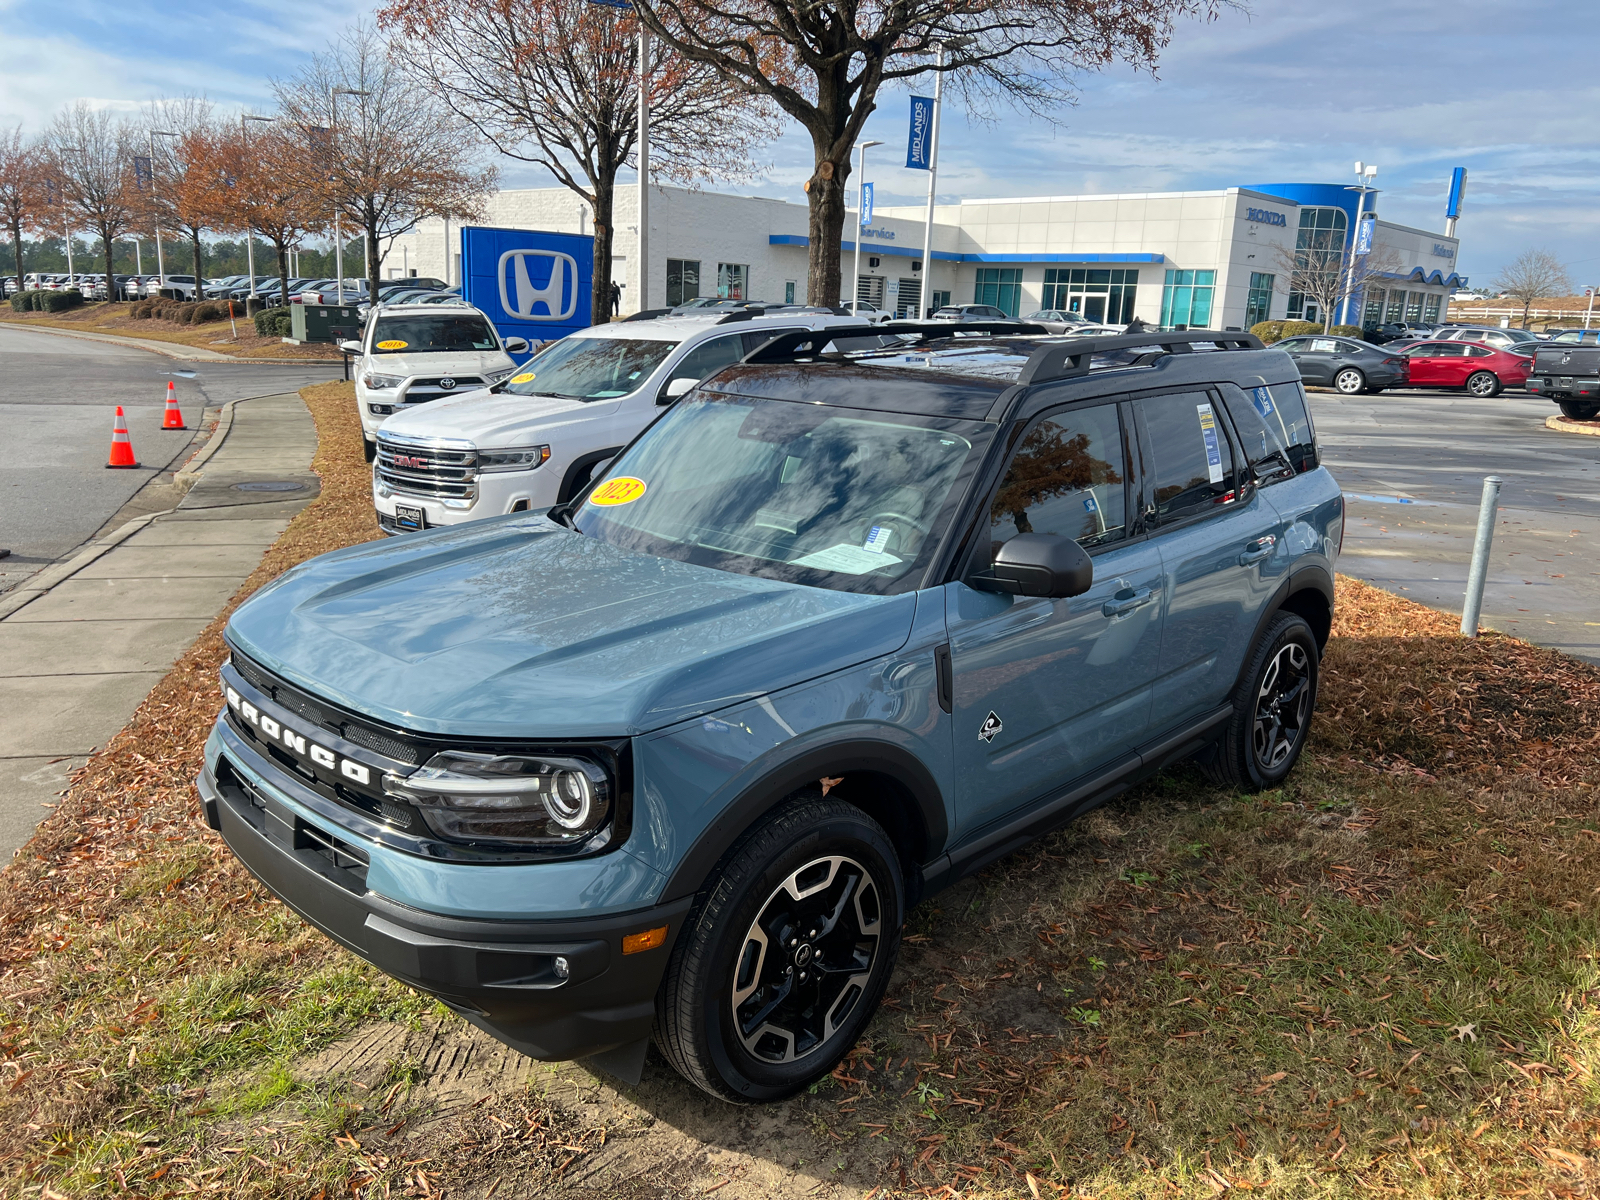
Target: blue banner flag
x,y
866,205
919,149
1364,235
1458,192
141,172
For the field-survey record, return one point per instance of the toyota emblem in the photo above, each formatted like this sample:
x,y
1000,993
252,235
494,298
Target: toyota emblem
x,y
447,384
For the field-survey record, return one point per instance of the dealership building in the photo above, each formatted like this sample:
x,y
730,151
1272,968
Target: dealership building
x,y
1215,259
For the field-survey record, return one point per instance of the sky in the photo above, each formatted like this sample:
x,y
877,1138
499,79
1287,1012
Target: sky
x,y
1283,92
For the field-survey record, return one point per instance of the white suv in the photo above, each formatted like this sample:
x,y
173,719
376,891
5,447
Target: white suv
x,y
411,356
535,441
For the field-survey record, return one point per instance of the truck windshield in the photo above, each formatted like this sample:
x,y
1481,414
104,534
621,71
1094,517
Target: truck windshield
x,y
420,335
578,368
830,497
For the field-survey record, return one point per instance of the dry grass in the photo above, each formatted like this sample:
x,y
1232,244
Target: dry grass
x,y
1380,978
213,335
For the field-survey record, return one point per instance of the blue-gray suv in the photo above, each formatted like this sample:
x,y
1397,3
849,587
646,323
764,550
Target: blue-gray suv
x,y
841,627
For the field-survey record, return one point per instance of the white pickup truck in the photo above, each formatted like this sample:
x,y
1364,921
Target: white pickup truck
x,y
535,440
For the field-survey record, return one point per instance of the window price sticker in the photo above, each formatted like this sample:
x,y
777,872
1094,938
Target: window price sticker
x,y
1208,434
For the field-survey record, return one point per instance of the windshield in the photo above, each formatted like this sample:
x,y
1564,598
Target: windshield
x,y
579,368
446,332
836,498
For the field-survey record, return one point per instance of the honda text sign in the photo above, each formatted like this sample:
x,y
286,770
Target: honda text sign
x,y
532,284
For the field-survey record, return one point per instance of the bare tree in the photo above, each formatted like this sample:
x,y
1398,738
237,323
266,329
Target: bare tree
x,y
388,155
1328,272
554,82
181,200
824,62
1533,275
22,170
91,153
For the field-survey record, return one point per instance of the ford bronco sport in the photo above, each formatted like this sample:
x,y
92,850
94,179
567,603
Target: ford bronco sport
x,y
836,630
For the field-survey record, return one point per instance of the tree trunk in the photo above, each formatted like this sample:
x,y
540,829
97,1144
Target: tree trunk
x,y
283,269
605,237
825,226
16,242
199,282
110,249
372,263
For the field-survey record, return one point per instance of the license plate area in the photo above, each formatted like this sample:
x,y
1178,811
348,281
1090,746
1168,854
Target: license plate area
x,y
1565,381
407,516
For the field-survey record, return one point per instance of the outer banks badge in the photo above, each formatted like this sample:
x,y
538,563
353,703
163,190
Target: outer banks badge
x,y
991,726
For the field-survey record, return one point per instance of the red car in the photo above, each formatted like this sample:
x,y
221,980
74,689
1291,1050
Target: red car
x,y
1481,370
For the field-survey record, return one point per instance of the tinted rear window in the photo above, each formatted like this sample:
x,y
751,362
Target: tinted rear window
x,y
1274,426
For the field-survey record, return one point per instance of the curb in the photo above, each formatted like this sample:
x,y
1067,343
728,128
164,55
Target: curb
x,y
61,572
1568,425
172,350
190,471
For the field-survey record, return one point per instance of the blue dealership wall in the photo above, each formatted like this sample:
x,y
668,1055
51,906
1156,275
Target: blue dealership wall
x,y
532,283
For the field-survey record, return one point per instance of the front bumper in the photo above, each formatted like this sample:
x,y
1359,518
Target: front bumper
x,y
497,494
502,976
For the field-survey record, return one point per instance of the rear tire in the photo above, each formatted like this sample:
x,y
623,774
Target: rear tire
x,y
1272,708
1573,410
1349,381
1483,384
744,1011
1371,391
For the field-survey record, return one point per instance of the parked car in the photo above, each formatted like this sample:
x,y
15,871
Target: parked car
x,y
533,441
171,287
1058,320
1395,331
676,759
721,303
1501,339
1481,370
868,312
413,356
1345,364
1567,371
970,312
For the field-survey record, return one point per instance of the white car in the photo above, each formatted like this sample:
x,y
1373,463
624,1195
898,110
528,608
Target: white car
x,y
412,356
870,313
537,439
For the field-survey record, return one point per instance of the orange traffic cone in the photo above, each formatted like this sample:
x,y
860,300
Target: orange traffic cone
x,y
121,446
173,418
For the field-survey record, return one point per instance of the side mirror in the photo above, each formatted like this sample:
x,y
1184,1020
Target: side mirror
x,y
676,390
516,345
1039,564
350,347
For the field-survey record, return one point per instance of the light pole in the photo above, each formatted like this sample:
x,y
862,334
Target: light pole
x,y
138,255
161,262
644,168
861,212
66,220
249,230
333,144
1365,174
924,301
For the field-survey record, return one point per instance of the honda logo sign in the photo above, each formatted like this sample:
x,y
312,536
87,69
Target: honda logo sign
x,y
520,297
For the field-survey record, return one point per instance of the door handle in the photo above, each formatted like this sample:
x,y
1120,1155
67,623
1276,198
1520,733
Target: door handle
x,y
1118,606
1257,550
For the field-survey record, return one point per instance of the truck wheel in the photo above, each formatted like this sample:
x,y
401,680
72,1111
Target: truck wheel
x,y
1350,381
1579,412
785,957
1272,707
369,449
1483,384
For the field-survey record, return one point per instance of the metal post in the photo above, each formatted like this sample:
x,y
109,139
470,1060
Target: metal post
x,y
924,301
161,262
1588,316
643,299
338,238
861,209
1480,555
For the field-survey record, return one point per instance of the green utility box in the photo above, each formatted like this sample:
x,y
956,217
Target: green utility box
x,y
323,323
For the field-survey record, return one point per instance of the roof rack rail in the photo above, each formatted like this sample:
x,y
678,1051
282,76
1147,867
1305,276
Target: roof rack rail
x,y
1073,357
786,347
648,314
743,314
929,330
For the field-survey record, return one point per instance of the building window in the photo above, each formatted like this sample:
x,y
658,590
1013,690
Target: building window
x,y
732,279
908,294
939,300
869,290
1319,249
1430,314
1414,306
1099,295
683,280
1001,287
788,291
1374,309
1186,299
1259,302
1397,305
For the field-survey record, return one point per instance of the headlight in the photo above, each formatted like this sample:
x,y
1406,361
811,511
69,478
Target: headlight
x,y
513,458
382,383
496,376
524,800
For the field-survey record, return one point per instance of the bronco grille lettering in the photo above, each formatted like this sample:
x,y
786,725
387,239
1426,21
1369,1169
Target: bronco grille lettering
x,y
297,742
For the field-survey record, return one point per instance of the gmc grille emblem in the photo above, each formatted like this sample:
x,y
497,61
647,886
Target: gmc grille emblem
x,y
296,742
403,460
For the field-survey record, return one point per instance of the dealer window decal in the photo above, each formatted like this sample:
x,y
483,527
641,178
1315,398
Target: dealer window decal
x,y
1208,433
624,489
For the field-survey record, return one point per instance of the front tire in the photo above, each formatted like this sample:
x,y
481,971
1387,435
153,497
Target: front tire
x,y
1349,381
369,449
784,959
1575,411
1483,384
1272,707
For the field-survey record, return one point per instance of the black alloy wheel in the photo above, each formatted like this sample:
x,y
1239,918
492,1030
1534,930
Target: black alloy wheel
x,y
1273,703
785,957
1349,381
1483,384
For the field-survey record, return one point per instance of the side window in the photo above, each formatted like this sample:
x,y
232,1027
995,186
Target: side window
x,y
759,338
1274,431
1192,471
1069,476
708,358
1479,351
1453,350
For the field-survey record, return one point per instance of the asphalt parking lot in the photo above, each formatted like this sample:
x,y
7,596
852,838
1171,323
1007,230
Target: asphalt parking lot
x,y
1412,463
57,399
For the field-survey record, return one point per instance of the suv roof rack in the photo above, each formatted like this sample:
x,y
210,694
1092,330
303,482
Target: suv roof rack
x,y
1065,359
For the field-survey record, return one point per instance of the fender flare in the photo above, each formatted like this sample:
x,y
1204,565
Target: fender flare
x,y
580,464
768,781
1312,577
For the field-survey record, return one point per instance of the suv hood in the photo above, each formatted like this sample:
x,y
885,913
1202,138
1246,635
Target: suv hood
x,y
520,628
489,419
439,362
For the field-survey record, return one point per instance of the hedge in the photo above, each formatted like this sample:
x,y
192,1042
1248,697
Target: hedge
x,y
23,301
274,322
60,301
1276,331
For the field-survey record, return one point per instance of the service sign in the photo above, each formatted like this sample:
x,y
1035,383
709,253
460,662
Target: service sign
x,y
532,283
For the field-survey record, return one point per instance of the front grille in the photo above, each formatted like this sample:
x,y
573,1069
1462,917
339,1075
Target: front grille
x,y
440,472
423,390
298,702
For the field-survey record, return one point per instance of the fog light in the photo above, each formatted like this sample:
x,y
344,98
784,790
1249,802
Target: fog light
x,y
562,967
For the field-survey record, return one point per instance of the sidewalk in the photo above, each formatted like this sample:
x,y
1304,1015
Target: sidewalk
x,y
82,643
